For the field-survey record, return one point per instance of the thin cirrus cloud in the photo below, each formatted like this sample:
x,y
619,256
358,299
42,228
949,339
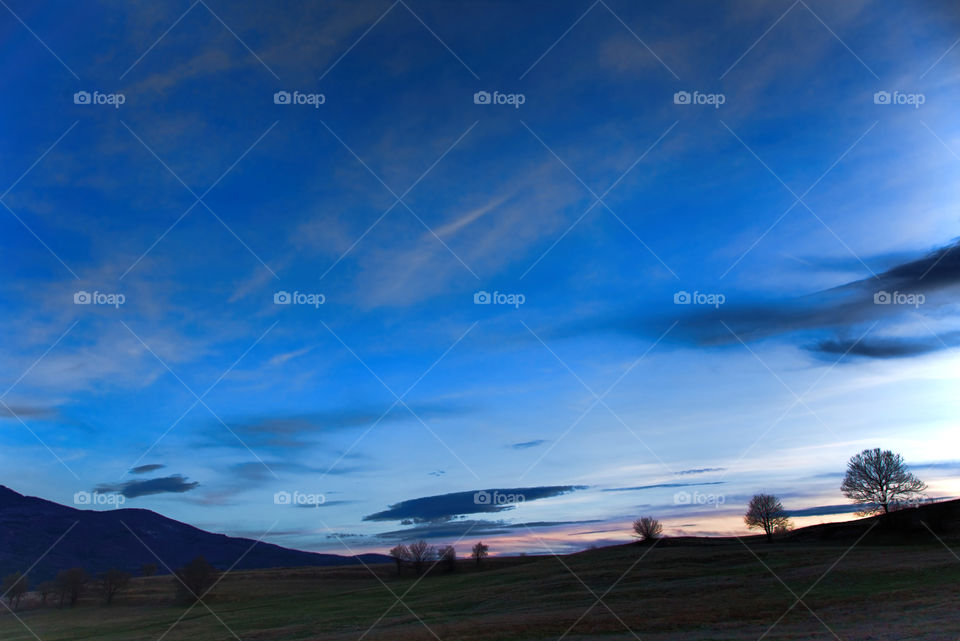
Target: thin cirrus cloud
x,y
283,431
655,486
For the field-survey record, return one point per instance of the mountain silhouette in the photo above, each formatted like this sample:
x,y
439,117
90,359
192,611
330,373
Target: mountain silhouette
x,y
31,529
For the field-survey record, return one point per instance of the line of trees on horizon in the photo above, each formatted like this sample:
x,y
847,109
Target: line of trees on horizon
x,y
70,585
422,557
878,481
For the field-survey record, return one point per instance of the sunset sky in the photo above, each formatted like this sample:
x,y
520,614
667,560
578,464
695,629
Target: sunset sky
x,y
686,252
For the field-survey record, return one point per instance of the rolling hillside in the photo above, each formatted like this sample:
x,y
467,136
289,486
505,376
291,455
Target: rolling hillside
x,y
96,541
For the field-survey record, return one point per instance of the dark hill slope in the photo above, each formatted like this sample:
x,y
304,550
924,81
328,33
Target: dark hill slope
x,y
97,540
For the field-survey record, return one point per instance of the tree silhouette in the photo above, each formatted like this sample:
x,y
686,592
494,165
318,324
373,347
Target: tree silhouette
x,y
113,581
401,554
479,552
647,528
449,557
421,553
878,479
14,587
46,588
196,578
766,512
71,583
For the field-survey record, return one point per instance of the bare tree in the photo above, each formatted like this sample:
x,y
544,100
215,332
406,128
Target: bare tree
x,y
71,583
196,578
766,512
401,554
480,552
647,528
46,588
14,587
420,554
878,480
449,557
113,581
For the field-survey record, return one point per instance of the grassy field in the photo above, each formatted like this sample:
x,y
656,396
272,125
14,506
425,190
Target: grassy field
x,y
706,591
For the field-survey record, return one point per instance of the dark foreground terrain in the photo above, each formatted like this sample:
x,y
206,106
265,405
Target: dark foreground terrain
x,y
726,589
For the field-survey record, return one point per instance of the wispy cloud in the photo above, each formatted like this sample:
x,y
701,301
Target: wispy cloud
x,y
174,484
636,488
460,528
143,469
528,444
446,506
835,314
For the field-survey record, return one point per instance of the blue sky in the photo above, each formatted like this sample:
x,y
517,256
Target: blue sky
x,y
683,295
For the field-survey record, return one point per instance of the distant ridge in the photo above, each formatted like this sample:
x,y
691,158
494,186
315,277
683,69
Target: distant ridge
x,y
99,540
